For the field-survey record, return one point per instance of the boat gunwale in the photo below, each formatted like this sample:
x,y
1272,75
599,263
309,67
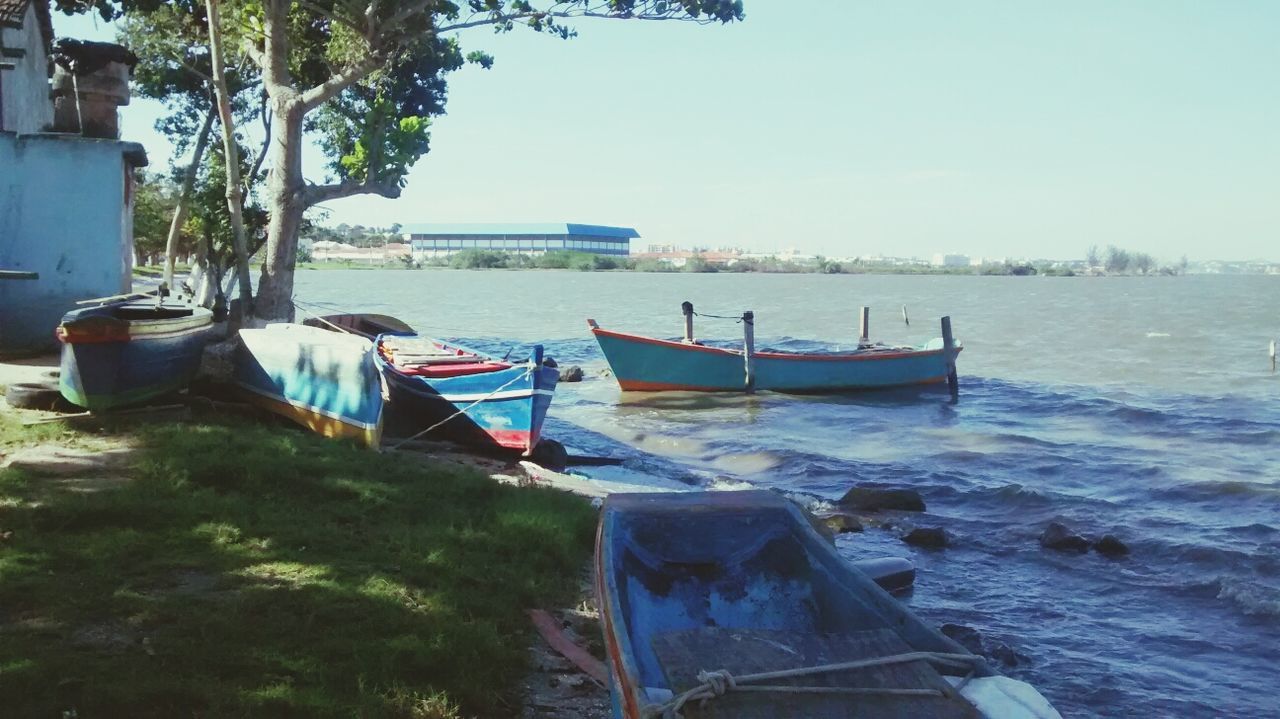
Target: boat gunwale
x,y
860,356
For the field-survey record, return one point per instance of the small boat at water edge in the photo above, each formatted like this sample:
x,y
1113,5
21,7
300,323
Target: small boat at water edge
x,y
366,325
730,604
648,364
125,353
465,395
325,381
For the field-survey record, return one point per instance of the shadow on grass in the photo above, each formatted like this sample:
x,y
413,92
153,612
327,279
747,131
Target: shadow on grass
x,y
250,571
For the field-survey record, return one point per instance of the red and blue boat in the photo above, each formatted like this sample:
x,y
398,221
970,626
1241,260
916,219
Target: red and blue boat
x,y
324,381
648,364
126,353
444,391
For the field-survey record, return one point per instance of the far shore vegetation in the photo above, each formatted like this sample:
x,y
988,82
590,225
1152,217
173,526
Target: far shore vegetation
x,y
248,570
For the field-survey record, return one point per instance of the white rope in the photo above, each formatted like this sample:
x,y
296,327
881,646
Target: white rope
x,y
718,683
464,410
322,319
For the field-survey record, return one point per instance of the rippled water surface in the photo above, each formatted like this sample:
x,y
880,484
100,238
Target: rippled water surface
x,y
1138,406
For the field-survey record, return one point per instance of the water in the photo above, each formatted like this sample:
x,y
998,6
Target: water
x,y
1139,406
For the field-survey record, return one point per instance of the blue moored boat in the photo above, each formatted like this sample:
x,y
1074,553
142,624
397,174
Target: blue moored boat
x,y
464,395
648,364
126,353
325,381
730,604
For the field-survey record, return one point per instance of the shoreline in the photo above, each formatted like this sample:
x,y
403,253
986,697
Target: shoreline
x,y
190,521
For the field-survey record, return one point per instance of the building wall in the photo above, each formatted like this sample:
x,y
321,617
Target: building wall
x,y
66,213
26,103
434,245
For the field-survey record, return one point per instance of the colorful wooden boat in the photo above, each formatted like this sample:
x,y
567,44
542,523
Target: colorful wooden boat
x,y
325,381
125,353
700,593
366,325
464,395
648,364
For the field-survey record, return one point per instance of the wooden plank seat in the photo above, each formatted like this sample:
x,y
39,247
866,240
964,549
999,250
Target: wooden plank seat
x,y
684,654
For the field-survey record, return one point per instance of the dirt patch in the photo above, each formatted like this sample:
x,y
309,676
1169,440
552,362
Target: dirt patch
x,y
558,688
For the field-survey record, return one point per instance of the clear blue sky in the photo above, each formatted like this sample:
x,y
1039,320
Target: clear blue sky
x,y
1027,129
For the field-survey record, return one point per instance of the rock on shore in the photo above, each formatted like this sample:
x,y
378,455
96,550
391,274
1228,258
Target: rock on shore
x,y
875,499
928,537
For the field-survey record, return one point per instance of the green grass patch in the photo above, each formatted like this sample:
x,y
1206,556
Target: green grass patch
x,y
254,571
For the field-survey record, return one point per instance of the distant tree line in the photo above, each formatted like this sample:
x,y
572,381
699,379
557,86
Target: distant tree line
x,y
1118,261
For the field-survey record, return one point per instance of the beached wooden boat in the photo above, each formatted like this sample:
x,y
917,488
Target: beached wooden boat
x,y
325,381
705,597
365,324
465,395
126,353
649,364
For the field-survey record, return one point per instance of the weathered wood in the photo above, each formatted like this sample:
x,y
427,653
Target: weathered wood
x,y
748,651
864,326
550,630
949,349
687,308
905,319
749,348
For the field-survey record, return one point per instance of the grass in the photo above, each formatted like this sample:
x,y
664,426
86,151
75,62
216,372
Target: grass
x,y
253,571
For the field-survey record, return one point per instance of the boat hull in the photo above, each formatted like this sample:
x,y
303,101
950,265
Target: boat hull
x,y
324,381
682,563
110,361
648,364
504,408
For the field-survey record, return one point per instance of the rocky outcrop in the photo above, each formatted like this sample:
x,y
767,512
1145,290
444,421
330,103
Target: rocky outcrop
x,y
1110,546
875,499
1061,539
841,523
927,537
572,373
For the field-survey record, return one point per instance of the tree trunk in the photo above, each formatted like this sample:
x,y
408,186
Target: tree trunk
x,y
235,191
184,197
286,204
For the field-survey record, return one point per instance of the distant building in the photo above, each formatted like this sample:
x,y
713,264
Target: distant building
x,y
436,240
950,260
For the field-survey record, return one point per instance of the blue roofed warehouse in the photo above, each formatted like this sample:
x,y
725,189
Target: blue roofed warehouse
x,y
436,240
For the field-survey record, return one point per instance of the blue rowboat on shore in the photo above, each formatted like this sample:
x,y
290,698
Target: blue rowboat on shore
x,y
648,364
126,353
464,395
324,381
730,604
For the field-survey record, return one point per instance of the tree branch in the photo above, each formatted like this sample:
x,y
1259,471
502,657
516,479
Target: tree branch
x,y
316,194
318,95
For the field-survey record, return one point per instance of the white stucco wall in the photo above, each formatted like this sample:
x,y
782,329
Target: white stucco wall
x,y
27,107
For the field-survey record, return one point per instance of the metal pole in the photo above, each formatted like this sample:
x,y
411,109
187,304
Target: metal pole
x,y
864,326
904,316
1273,355
749,348
687,308
949,351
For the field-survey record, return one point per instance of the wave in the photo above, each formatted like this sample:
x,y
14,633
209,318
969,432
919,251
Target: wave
x,y
1253,599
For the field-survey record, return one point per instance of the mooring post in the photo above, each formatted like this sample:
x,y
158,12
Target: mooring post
x,y
864,326
1273,355
687,308
949,350
749,348
904,316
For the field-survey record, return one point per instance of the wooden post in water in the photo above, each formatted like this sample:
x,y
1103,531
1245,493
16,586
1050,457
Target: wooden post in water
x,y
687,308
1273,355
904,316
864,326
749,348
949,351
